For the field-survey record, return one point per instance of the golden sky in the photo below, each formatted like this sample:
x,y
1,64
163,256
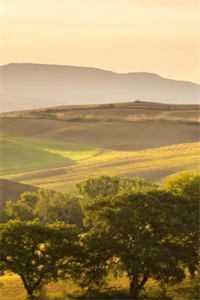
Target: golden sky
x,y
160,36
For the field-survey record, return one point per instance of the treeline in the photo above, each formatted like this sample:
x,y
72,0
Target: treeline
x,y
112,224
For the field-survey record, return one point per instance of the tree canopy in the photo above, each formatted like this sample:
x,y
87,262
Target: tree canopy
x,y
136,230
37,253
128,225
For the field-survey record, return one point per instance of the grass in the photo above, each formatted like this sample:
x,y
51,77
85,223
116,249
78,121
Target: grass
x,y
60,165
107,135
153,164
11,288
58,154
18,155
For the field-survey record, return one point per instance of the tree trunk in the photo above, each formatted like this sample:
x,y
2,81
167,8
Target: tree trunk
x,y
30,296
134,289
30,290
33,294
137,285
192,270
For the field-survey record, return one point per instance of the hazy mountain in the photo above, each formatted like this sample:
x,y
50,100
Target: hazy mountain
x,y
30,86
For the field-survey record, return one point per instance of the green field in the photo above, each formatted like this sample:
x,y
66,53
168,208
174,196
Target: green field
x,y
20,155
153,164
57,154
60,165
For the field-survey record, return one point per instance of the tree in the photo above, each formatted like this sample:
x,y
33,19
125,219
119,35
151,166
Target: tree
x,y
23,208
37,253
186,185
47,206
94,260
53,206
101,186
109,186
138,232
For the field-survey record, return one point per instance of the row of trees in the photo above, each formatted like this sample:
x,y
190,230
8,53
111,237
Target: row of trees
x,y
126,225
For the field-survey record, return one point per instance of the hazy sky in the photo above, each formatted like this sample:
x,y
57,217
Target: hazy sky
x,y
161,36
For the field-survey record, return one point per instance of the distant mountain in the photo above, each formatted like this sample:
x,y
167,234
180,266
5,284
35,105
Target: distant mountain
x,y
33,86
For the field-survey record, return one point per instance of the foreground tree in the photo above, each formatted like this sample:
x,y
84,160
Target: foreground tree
x,y
186,185
38,254
138,233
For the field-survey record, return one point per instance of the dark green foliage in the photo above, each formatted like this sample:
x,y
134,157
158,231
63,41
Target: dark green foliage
x,y
37,253
141,232
129,226
186,186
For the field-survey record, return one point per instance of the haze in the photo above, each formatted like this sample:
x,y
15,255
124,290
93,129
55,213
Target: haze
x,y
159,36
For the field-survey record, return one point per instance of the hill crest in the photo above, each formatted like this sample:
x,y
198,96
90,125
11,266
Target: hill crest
x,y
34,86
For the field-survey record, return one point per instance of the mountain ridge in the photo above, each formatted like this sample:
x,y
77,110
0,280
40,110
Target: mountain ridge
x,y
34,86
101,70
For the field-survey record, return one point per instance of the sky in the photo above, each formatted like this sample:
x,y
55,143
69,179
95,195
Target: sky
x,y
159,36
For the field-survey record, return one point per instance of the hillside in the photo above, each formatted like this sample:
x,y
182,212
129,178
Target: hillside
x,y
132,111
152,164
32,86
10,190
57,147
124,126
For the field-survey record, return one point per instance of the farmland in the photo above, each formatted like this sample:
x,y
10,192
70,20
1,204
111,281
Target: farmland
x,y
57,148
75,164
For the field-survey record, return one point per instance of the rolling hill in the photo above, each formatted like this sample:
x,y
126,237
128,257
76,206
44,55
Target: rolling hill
x,y
152,164
128,126
10,190
128,111
32,86
58,147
